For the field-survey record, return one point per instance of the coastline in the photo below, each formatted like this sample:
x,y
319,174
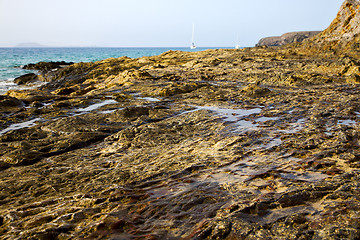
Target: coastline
x,y
182,143
256,143
11,65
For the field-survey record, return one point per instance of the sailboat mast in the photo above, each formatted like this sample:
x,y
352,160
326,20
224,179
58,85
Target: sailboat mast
x,y
237,46
193,46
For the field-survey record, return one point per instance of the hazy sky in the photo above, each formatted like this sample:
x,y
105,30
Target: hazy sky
x,y
153,23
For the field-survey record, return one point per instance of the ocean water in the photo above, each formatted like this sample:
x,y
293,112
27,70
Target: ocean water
x,y
12,59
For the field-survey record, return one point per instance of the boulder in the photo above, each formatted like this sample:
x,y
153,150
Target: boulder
x,y
25,79
30,95
8,102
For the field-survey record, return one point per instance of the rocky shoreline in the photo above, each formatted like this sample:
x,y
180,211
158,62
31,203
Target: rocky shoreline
x,y
257,143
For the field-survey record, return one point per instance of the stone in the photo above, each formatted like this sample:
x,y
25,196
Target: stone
x,y
28,95
10,103
26,79
255,90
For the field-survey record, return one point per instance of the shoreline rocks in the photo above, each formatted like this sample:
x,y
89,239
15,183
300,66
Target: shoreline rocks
x,y
26,79
220,144
245,143
47,66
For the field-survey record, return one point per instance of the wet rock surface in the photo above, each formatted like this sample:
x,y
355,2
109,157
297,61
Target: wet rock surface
x,y
220,144
26,79
258,143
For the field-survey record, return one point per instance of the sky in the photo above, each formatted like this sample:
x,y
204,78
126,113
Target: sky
x,y
158,23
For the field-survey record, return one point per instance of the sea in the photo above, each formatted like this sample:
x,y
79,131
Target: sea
x,y
12,59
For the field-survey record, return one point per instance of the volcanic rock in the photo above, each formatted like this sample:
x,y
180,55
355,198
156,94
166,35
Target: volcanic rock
x,y
7,102
25,79
47,66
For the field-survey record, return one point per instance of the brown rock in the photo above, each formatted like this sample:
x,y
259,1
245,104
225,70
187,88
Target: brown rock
x,y
8,103
47,66
254,90
26,79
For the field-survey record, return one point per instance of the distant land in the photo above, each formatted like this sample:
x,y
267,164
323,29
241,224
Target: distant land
x,y
30,44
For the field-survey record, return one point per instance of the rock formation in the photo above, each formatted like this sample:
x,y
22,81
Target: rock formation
x,y
47,66
26,79
291,37
344,32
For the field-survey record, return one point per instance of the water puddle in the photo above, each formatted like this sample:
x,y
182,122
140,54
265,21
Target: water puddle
x,y
233,116
237,118
149,99
347,122
95,106
17,126
295,127
274,142
170,189
305,176
109,111
77,112
227,114
265,119
258,166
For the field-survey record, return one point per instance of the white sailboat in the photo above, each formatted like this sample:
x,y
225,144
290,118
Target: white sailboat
x,y
237,46
193,46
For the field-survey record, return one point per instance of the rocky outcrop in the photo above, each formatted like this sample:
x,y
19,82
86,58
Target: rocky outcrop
x,y
286,38
25,79
219,144
8,102
344,32
47,66
45,70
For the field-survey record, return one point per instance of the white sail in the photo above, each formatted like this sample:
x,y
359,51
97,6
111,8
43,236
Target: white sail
x,y
193,46
237,46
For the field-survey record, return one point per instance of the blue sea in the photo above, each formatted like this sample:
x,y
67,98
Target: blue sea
x,y
12,59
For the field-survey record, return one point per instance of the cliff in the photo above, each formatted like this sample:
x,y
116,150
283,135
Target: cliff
x,y
286,38
343,32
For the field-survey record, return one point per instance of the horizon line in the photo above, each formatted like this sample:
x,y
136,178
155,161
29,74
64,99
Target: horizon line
x,y
119,47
